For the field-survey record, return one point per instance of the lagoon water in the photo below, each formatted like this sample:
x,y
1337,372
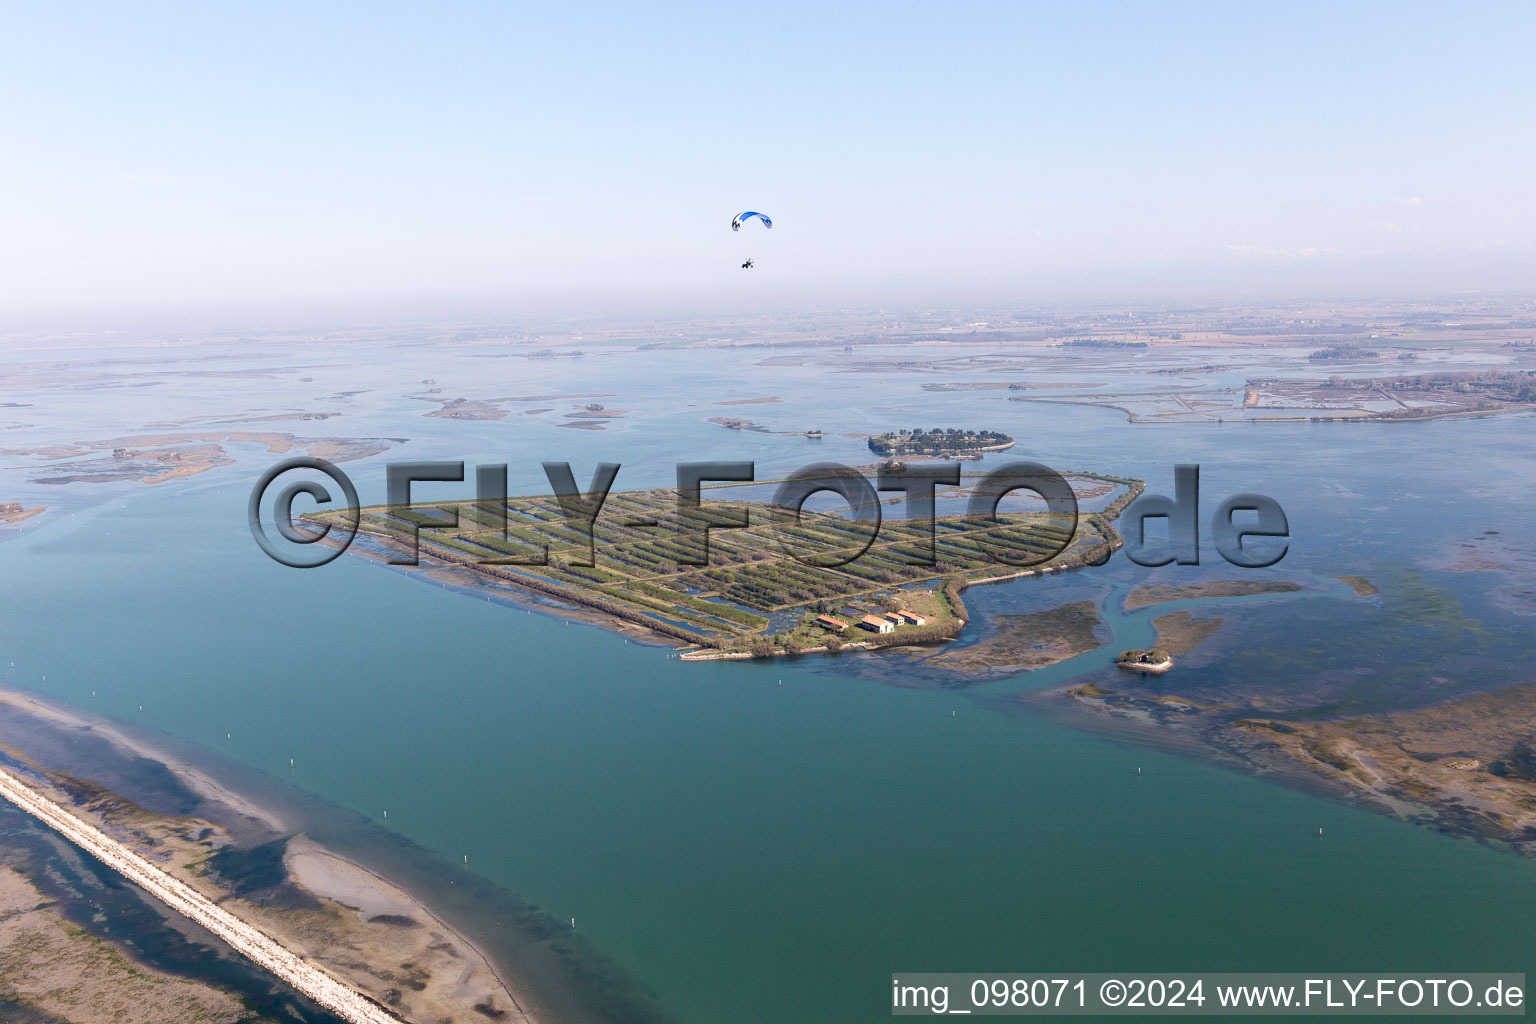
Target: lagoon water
x,y
752,851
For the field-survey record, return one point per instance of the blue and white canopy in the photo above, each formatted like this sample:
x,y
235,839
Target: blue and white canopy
x,y
741,218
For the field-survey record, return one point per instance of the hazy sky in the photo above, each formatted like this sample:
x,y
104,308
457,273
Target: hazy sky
x,y
191,154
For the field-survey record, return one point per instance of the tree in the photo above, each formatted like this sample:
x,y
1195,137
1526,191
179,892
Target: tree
x,y
834,643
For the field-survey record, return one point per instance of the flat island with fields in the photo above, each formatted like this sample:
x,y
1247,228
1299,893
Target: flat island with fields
x,y
780,584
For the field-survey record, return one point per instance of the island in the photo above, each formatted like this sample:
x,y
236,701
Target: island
x,y
1155,661
1157,593
467,409
14,512
1343,352
754,597
1361,586
939,443
157,458
1021,643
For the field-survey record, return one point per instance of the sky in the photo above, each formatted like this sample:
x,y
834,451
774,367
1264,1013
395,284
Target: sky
x,y
184,155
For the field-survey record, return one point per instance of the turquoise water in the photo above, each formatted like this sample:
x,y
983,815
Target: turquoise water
x,y
761,852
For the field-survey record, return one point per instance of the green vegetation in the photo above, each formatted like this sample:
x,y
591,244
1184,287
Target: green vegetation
x,y
938,441
752,597
1343,352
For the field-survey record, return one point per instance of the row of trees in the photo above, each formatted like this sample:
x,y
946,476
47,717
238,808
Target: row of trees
x,y
936,441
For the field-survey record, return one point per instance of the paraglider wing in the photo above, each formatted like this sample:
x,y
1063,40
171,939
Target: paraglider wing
x,y
741,218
